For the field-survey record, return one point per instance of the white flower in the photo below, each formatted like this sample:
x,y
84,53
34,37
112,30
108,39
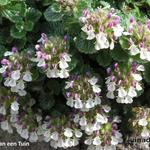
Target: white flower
x,y
91,35
96,89
140,68
70,102
64,73
112,45
83,121
101,41
33,137
16,75
101,119
117,119
121,92
88,29
67,57
93,80
97,141
137,77
55,136
41,63
12,83
4,125
27,76
134,50
3,69
24,134
15,106
20,85
110,95
97,100
76,119
127,100
63,64
143,122
111,86
8,53
78,134
114,140
14,89
144,54
78,104
6,82
88,141
68,133
120,100
89,129
22,92
132,92
2,110
145,132
89,103
96,126
54,73
138,87
106,108
118,30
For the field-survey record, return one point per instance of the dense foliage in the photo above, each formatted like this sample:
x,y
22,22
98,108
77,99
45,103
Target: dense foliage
x,y
75,70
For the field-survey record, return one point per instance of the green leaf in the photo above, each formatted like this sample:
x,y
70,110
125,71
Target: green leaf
x,y
18,34
85,46
103,58
2,51
35,74
15,11
118,54
147,72
29,25
52,15
4,2
46,101
73,63
53,86
33,14
124,42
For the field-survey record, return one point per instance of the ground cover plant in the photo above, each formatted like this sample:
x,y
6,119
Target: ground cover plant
x,y
75,71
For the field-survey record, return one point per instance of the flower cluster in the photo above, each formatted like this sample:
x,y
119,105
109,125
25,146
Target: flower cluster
x,y
82,92
26,124
68,5
52,56
60,132
103,24
16,71
101,130
139,39
9,106
123,84
141,121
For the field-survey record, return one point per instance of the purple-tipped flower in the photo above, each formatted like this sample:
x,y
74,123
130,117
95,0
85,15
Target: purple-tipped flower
x,y
112,78
37,47
116,65
65,38
109,71
4,61
14,49
132,19
68,94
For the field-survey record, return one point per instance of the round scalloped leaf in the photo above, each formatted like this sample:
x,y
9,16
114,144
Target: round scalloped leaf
x,y
119,54
103,58
147,72
85,46
52,15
